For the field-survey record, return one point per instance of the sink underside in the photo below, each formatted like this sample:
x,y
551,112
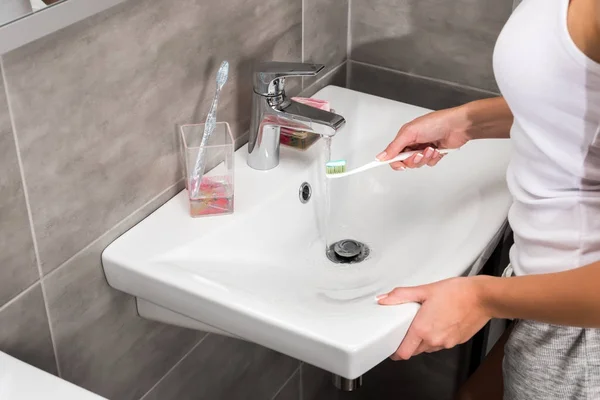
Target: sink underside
x,y
262,274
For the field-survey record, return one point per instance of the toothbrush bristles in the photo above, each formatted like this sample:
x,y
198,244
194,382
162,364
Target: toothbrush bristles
x,y
335,167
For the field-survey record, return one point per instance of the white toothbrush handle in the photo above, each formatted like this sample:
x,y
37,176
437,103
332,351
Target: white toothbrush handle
x,y
209,127
377,163
407,154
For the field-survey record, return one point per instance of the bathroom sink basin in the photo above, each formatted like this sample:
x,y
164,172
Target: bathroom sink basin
x,y
262,274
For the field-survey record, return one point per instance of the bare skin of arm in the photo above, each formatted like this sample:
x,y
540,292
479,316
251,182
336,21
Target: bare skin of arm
x,y
585,31
489,119
453,310
565,298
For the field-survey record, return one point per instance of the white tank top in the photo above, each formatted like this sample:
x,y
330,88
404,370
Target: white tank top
x,y
553,90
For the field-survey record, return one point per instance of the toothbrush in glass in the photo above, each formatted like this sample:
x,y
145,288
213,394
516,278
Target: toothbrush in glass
x,y
337,169
209,127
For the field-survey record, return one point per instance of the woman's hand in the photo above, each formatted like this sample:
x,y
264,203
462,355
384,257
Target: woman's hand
x,y
450,129
445,129
451,313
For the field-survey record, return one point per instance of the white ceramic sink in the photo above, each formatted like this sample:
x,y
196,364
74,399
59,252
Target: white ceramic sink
x,y
261,274
21,381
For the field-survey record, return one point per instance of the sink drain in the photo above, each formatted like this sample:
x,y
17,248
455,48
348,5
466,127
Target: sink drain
x,y
305,192
347,251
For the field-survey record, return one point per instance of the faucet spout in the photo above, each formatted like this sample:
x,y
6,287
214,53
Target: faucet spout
x,y
321,122
270,114
272,109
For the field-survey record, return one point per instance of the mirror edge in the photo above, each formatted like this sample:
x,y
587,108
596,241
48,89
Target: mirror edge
x,y
42,23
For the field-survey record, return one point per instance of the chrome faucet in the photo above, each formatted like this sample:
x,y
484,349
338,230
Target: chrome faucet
x,y
272,109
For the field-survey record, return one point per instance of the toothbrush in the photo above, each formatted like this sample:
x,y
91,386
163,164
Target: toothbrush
x,y
337,169
209,127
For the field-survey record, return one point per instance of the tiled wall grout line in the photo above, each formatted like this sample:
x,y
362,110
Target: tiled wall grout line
x,y
174,366
287,381
302,39
19,296
349,74
51,273
301,394
242,140
427,78
349,44
302,42
327,75
30,215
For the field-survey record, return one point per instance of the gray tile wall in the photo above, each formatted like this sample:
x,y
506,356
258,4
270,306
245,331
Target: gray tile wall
x,y
94,109
325,32
449,41
17,256
420,91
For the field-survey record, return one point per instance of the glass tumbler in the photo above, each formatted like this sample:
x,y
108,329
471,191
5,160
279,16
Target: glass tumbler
x,y
211,192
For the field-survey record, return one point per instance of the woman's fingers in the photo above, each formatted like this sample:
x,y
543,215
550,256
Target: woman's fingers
x,y
434,349
405,137
437,156
420,159
429,156
408,347
398,166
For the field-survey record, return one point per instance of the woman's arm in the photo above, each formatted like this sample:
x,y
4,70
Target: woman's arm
x,y
563,298
488,119
449,129
583,22
453,310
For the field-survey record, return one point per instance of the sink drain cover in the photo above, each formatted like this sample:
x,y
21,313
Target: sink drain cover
x,y
347,248
347,251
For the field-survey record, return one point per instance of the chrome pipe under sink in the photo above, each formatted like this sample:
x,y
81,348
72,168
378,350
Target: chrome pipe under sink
x,y
347,385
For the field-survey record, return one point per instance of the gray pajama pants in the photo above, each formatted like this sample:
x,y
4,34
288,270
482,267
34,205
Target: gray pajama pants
x,y
551,362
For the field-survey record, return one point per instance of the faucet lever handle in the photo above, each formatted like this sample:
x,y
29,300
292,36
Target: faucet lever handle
x,y
269,77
